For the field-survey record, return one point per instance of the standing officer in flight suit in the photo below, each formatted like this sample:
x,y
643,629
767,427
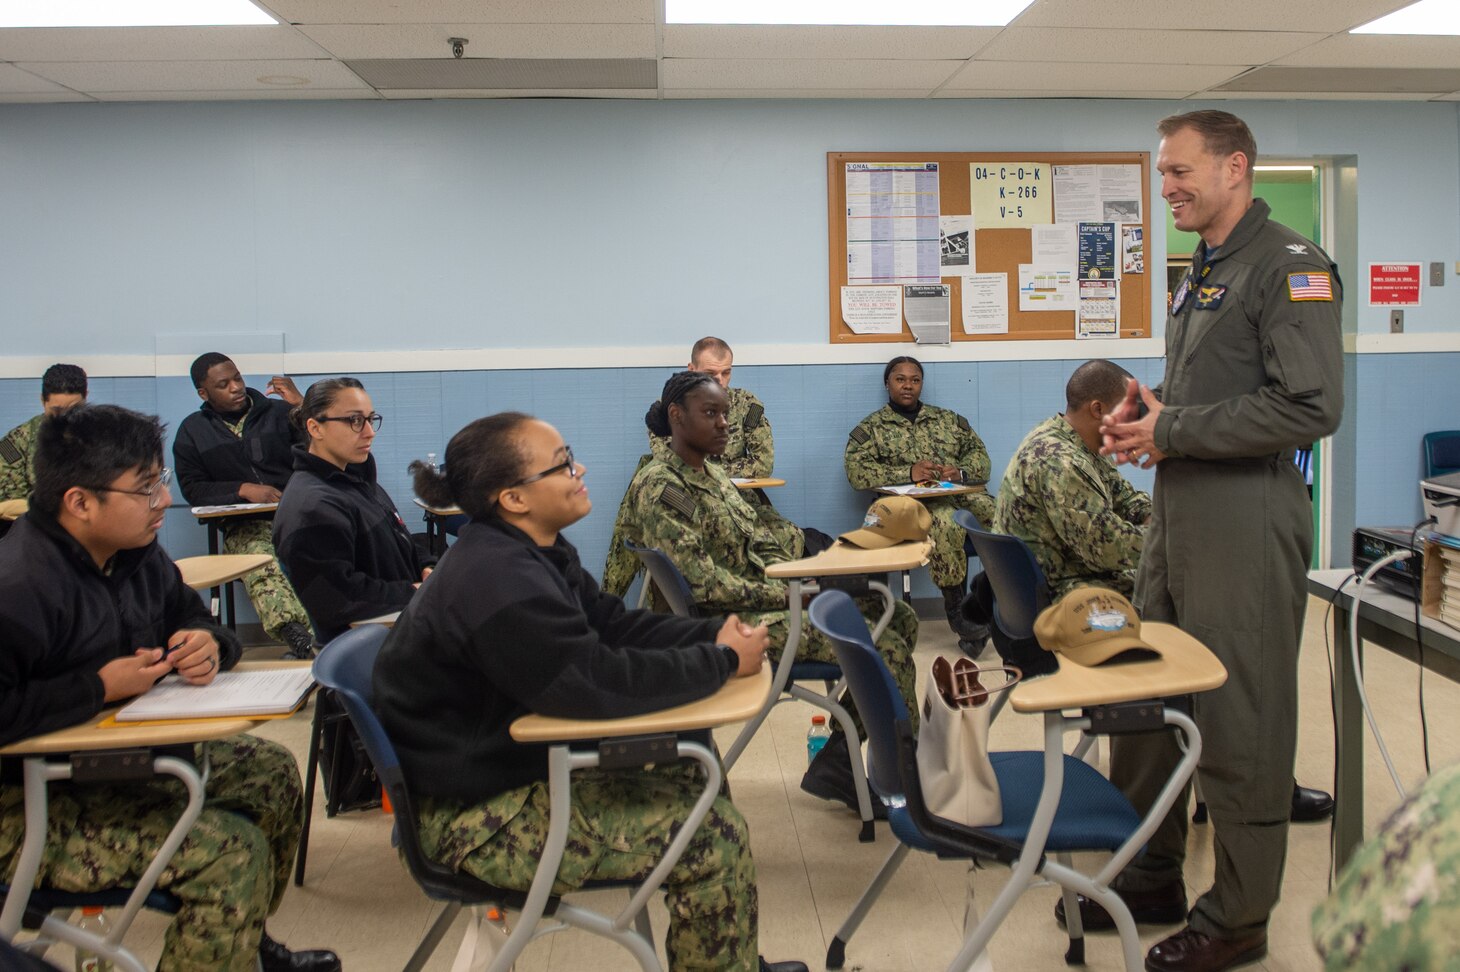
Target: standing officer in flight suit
x,y
1253,371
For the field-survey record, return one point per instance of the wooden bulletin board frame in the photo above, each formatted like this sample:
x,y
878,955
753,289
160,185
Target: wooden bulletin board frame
x,y
996,250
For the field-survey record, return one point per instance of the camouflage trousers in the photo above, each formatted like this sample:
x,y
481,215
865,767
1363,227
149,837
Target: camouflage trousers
x,y
622,821
1395,905
268,589
895,646
230,872
948,565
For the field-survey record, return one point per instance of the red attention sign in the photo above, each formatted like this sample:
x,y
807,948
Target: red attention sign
x,y
1394,284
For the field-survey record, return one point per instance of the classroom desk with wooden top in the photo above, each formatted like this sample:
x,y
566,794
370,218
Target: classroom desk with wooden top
x,y
215,572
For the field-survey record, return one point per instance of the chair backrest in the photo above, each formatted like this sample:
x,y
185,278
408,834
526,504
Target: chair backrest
x,y
346,666
667,578
879,702
1442,453
1020,588
892,766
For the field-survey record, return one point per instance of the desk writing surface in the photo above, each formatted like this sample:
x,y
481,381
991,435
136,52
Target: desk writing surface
x,y
232,509
210,570
928,492
436,510
844,558
1186,666
736,701
762,482
13,509
386,619
1384,608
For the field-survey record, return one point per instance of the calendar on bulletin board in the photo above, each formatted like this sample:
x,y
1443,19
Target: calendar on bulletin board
x,y
968,246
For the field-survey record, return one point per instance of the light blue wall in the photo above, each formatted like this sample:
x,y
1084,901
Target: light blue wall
x,y
550,223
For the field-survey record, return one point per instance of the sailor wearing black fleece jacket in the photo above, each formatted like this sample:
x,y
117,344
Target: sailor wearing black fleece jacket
x,y
344,546
212,461
506,628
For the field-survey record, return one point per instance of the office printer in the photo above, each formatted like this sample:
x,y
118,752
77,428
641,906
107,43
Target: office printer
x,y
1441,497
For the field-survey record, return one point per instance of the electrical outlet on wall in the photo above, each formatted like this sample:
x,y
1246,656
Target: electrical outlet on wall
x,y
1396,321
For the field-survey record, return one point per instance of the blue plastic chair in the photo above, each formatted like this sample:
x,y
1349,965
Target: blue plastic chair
x,y
346,666
784,686
1051,802
1020,593
1442,453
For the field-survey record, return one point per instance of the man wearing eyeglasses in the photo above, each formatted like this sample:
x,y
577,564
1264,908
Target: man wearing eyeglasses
x,y
93,612
236,449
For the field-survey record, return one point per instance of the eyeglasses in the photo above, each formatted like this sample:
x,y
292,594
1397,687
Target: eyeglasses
x,y
567,464
356,421
153,492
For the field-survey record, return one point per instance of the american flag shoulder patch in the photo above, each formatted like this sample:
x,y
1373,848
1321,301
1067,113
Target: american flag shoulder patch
x,y
1310,286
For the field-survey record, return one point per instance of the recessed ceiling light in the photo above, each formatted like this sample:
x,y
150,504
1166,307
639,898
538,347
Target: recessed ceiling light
x,y
1438,17
130,13
908,13
281,79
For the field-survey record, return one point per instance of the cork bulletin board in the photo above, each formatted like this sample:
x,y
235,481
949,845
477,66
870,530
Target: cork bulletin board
x,y
1011,201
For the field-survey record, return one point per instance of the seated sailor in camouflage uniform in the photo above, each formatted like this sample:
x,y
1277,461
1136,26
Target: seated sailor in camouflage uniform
x,y
88,602
750,453
907,440
63,386
687,507
468,658
1084,522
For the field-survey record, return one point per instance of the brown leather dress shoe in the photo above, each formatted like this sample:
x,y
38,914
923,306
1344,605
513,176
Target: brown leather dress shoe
x,y
1192,951
1165,905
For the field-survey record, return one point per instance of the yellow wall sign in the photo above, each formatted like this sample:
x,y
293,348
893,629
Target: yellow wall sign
x,y
1007,194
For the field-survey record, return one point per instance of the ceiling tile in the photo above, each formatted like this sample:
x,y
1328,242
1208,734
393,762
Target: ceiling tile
x,y
251,94
463,11
14,80
415,94
1378,51
748,73
99,76
1125,46
1083,95
1319,96
899,43
1064,76
1322,16
1398,80
819,94
356,42
153,43
41,97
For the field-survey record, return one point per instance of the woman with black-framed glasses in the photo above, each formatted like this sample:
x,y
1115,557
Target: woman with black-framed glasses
x,y
338,535
513,624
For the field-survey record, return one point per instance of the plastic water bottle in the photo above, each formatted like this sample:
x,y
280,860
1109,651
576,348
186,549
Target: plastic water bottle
x,y
816,736
93,919
431,460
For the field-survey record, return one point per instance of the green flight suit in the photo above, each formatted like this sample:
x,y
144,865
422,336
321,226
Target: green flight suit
x,y
1254,370
882,450
17,460
1083,521
702,522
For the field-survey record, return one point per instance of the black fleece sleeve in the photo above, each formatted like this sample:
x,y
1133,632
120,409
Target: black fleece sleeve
x,y
185,609
198,486
30,705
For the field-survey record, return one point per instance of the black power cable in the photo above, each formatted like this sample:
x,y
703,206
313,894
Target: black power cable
x,y
1416,579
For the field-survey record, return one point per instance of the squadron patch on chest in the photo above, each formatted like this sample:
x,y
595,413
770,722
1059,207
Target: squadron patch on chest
x,y
9,452
678,500
1210,298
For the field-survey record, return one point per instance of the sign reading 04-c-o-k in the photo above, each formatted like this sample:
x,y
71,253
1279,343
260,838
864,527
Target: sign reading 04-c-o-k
x,y
1005,194
1394,284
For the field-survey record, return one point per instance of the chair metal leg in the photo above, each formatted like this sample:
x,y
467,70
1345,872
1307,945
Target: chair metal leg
x,y
854,754
434,934
1074,922
316,732
836,955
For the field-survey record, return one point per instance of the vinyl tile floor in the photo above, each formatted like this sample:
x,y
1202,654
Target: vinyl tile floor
x,y
358,900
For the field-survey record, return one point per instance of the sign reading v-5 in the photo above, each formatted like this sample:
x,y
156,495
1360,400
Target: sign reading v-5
x,y
1005,194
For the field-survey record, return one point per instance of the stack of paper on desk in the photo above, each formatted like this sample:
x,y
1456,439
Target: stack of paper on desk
x,y
258,693
231,508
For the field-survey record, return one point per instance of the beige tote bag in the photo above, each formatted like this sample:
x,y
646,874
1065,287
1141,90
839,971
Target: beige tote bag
x,y
953,743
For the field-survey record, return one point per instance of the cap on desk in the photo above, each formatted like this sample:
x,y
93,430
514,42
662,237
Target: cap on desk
x,y
1090,625
890,521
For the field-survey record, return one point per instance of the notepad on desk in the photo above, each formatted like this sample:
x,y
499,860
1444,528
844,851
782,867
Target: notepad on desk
x,y
232,508
913,489
258,693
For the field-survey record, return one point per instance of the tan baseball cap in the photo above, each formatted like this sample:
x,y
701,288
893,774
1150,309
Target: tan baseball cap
x,y
1090,625
890,521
